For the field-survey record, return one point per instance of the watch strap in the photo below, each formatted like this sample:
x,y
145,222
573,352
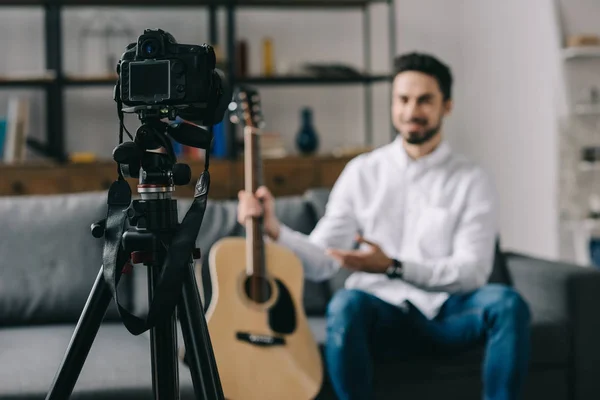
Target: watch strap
x,y
394,271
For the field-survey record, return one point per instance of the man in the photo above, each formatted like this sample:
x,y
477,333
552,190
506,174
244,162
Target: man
x,y
425,220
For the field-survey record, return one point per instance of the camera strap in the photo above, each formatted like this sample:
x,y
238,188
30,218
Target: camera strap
x,y
168,289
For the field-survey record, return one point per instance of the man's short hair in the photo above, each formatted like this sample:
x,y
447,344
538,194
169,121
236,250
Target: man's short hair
x,y
426,64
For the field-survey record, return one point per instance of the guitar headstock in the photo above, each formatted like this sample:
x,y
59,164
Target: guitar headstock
x,y
246,107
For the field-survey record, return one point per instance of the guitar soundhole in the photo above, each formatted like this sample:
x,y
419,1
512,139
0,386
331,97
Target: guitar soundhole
x,y
258,289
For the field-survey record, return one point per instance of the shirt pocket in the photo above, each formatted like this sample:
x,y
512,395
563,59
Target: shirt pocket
x,y
435,231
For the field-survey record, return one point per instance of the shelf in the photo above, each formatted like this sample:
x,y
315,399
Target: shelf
x,y
220,3
37,82
285,176
21,2
71,81
125,3
587,109
311,80
571,53
587,166
27,79
53,34
305,3
85,3
255,80
91,80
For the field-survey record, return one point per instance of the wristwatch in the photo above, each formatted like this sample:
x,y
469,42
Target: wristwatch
x,y
394,271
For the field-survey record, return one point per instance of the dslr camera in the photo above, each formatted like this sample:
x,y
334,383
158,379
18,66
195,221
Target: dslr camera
x,y
162,78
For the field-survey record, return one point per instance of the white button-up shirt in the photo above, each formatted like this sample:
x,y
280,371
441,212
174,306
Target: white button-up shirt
x,y
437,215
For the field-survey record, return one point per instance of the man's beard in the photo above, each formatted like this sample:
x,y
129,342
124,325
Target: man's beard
x,y
418,138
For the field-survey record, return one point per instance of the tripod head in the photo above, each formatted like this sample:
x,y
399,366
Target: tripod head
x,y
151,158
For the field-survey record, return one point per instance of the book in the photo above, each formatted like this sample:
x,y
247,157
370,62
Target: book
x,y
17,129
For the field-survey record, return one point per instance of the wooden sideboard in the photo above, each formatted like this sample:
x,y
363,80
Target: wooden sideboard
x,y
283,176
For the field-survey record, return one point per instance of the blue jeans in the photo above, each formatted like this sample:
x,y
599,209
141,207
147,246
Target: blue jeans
x,y
361,329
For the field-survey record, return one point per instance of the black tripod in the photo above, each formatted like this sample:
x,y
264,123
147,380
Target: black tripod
x,y
154,230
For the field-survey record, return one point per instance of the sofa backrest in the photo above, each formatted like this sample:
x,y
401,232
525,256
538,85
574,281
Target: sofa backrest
x,y
48,258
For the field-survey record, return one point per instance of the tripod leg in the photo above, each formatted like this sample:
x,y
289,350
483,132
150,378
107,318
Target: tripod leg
x,y
163,346
81,341
199,351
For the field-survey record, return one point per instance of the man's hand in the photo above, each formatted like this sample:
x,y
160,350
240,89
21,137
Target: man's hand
x,y
250,206
371,260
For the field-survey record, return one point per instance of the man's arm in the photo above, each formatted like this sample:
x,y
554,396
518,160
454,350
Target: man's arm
x,y
471,262
337,228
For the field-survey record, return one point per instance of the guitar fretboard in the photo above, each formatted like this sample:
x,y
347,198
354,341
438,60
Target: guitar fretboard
x,y
255,247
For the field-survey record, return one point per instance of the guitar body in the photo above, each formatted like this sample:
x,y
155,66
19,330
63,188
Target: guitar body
x,y
264,350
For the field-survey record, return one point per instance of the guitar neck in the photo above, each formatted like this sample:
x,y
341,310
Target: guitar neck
x,y
255,248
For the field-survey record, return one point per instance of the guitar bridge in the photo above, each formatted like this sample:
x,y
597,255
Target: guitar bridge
x,y
260,340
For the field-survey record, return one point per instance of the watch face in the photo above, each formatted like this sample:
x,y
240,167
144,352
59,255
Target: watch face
x,y
393,271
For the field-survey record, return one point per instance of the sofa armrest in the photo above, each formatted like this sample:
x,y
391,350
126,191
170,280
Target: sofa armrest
x,y
558,291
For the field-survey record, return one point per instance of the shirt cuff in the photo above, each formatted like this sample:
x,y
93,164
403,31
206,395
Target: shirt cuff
x,y
286,236
413,273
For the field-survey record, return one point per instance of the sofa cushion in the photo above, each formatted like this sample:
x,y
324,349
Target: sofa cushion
x,y
117,367
48,258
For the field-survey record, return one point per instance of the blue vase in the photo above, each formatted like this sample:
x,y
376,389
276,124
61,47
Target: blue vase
x,y
594,248
307,139
219,149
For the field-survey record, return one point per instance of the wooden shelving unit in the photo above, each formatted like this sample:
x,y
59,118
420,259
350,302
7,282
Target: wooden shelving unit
x,y
285,176
54,145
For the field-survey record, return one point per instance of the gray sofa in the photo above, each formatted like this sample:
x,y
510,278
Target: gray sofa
x,y
49,260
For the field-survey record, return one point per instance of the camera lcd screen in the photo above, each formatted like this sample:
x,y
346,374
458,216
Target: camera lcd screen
x,y
149,80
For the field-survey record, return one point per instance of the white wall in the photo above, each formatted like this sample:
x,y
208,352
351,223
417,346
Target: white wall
x,y
503,54
513,67
505,59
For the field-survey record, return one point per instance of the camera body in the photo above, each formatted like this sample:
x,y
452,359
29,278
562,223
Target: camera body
x,y
157,73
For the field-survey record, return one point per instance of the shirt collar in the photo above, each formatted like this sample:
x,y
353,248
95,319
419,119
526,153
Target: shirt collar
x,y
436,157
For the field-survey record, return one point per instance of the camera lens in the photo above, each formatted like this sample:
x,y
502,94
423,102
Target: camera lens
x,y
150,47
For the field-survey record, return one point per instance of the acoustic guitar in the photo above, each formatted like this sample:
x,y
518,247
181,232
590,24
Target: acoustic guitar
x,y
262,342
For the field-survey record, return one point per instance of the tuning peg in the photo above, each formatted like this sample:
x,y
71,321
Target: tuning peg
x,y
234,118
